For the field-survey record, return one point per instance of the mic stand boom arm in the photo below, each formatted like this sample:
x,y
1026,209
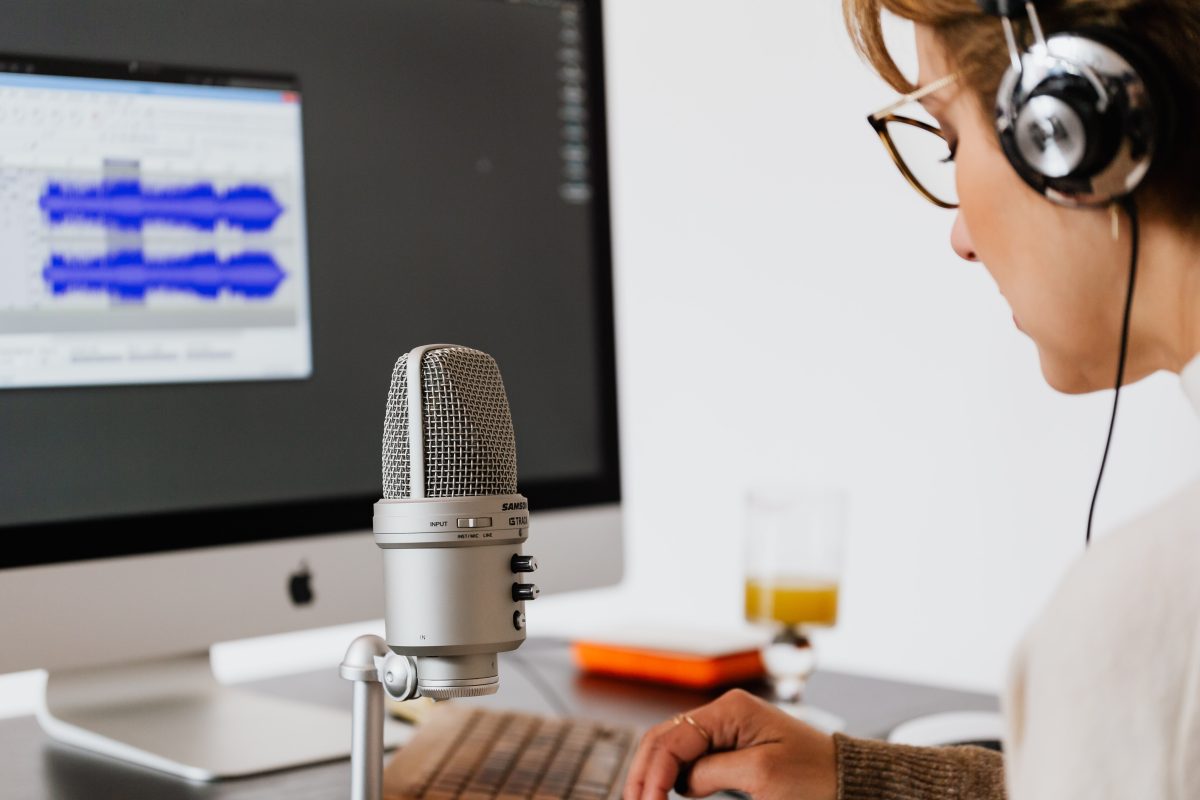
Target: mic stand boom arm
x,y
375,669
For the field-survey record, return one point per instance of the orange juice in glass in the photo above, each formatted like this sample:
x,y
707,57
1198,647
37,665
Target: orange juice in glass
x,y
794,544
792,600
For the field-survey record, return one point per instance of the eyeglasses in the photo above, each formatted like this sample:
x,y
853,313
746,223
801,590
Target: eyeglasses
x,y
919,148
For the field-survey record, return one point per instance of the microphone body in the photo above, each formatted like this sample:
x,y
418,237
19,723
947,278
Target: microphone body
x,y
451,524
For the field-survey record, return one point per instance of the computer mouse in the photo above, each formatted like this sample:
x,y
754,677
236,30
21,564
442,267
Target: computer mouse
x,y
980,728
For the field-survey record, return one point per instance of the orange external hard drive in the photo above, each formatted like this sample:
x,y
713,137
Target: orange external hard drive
x,y
698,667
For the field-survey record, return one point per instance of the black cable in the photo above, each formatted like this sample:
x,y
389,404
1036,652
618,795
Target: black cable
x,y
543,687
1130,207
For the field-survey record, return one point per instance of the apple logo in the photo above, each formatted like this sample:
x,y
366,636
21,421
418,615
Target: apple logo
x,y
300,586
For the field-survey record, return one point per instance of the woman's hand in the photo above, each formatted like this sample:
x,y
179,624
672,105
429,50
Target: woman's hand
x,y
755,748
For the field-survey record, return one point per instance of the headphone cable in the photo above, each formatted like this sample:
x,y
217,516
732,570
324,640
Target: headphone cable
x,y
1126,202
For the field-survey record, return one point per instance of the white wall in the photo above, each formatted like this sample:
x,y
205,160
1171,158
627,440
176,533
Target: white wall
x,y
788,307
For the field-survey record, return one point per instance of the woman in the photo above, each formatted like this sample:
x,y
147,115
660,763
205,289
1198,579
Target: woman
x,y
1103,697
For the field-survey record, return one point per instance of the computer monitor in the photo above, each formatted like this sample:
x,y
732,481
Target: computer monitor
x,y
221,223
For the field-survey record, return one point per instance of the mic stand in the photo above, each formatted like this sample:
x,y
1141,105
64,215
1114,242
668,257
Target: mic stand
x,y
375,669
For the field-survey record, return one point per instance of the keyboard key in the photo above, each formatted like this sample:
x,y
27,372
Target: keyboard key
x,y
601,766
533,760
414,766
462,753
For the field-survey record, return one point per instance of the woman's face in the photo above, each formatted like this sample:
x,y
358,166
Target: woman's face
x,y
1059,269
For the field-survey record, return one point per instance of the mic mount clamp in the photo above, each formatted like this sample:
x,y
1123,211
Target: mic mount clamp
x,y
375,669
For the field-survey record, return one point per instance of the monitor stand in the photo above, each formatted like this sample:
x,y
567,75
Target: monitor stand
x,y
172,715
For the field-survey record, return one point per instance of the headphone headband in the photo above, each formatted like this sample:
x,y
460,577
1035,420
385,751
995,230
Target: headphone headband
x,y
1002,8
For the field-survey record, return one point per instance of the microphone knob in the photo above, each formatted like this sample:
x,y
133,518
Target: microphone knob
x,y
524,591
524,563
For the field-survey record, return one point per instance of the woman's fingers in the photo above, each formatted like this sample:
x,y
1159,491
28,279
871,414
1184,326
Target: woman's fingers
x,y
665,751
669,748
669,755
637,767
739,770
736,742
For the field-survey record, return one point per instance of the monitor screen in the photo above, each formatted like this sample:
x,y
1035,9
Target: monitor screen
x,y
224,221
154,232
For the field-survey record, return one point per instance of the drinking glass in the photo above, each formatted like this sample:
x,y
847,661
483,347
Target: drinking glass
x,y
795,539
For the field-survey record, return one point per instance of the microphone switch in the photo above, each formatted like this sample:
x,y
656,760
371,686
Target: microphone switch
x,y
522,563
524,591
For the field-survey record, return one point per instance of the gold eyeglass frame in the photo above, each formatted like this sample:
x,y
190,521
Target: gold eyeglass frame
x,y
879,122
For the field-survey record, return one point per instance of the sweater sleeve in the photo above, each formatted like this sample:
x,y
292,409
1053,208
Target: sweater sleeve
x,y
873,770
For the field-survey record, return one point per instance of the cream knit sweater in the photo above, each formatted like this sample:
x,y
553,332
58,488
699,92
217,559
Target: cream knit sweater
x,y
1103,696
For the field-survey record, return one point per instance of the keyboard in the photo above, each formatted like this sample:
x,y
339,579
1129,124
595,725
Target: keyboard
x,y
465,753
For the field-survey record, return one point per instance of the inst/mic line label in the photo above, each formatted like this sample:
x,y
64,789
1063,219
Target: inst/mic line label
x,y
444,536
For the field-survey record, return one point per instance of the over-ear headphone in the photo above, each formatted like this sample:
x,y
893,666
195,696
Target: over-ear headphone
x,y
1080,114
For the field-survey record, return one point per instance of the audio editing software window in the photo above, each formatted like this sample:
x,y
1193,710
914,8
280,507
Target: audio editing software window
x,y
150,231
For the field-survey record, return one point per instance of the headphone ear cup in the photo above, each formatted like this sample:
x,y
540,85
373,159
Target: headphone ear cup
x,y
1054,135
1064,138
1058,104
1160,126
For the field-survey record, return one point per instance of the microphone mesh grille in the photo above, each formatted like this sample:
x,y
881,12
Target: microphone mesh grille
x,y
469,445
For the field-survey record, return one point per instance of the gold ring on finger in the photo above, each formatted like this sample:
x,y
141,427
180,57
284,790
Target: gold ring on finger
x,y
700,730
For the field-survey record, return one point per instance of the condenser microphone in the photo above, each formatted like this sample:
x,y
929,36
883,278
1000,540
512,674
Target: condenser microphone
x,y
451,523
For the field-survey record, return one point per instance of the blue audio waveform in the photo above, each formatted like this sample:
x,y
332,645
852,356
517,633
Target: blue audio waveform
x,y
129,275
126,203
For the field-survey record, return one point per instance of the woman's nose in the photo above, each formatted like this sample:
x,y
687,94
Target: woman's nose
x,y
960,239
